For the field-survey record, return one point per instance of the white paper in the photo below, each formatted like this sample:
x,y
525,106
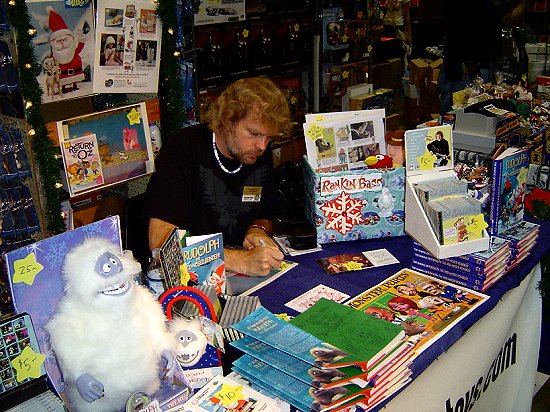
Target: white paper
x,y
135,30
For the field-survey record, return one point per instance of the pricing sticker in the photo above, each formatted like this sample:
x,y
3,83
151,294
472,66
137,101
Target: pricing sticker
x,y
314,132
353,265
476,224
27,364
25,270
134,117
229,394
426,161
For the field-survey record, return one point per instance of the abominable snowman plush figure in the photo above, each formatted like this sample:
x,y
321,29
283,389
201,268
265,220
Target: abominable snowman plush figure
x,y
191,340
108,333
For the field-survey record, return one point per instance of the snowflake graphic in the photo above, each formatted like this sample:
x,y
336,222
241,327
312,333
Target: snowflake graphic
x,y
343,213
56,253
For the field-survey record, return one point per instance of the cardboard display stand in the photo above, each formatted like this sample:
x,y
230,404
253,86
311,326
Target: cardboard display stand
x,y
355,204
422,167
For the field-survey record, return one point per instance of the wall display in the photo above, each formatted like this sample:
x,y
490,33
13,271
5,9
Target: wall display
x,y
128,39
214,11
105,148
64,46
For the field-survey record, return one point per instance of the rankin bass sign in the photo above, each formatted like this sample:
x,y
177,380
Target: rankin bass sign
x,y
351,183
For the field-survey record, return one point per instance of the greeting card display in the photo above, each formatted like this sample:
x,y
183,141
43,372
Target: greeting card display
x,y
451,230
105,148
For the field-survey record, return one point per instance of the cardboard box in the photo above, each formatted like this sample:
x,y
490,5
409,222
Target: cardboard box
x,y
378,99
418,72
356,204
485,124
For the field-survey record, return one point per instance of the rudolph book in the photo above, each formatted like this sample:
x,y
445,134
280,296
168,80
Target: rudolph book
x,y
509,174
423,306
204,259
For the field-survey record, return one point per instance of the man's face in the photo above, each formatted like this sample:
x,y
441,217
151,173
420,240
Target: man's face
x,y
380,313
433,289
248,139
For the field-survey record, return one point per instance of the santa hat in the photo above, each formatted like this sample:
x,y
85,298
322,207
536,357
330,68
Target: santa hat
x,y
57,24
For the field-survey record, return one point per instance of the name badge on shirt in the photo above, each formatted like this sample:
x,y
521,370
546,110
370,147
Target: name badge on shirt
x,y
252,193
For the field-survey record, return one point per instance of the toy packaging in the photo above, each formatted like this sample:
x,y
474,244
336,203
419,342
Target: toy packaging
x,y
356,204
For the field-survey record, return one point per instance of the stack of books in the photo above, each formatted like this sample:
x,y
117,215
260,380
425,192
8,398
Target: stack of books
x,y
327,358
522,237
477,271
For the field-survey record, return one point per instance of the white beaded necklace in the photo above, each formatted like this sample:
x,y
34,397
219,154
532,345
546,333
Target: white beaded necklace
x,y
225,169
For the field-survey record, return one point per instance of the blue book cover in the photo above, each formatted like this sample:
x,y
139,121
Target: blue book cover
x,y
457,265
204,259
497,248
476,279
300,370
297,392
446,277
508,189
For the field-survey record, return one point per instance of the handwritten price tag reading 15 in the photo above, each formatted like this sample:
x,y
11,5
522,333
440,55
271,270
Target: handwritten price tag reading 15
x,y
25,270
27,364
314,132
426,161
229,394
522,175
476,224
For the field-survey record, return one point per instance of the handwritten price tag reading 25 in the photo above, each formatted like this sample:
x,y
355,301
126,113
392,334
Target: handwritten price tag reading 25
x,y
25,270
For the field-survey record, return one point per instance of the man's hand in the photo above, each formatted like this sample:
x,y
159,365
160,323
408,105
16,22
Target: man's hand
x,y
257,261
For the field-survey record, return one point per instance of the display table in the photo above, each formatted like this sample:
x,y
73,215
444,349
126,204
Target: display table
x,y
491,354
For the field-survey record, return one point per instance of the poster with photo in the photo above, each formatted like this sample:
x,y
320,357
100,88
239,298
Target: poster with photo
x,y
64,46
128,38
429,148
214,11
344,141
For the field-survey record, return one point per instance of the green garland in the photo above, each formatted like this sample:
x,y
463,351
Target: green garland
x,y
171,91
41,145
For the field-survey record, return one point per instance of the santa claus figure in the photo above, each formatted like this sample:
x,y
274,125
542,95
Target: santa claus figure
x,y
66,48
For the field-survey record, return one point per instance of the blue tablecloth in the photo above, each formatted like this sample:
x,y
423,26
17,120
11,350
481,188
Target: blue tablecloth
x,y
309,274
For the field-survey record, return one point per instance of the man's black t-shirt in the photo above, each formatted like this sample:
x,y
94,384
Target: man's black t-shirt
x,y
191,191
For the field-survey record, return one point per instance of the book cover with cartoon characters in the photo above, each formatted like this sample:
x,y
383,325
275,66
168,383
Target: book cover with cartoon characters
x,y
508,189
122,151
82,163
424,307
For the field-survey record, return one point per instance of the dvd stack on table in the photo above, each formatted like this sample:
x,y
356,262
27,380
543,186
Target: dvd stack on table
x,y
522,238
